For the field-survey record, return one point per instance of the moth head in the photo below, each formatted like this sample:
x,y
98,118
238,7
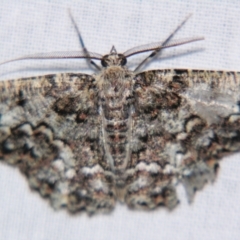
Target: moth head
x,y
113,59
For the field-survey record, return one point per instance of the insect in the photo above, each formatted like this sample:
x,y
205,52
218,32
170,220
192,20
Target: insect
x,y
88,141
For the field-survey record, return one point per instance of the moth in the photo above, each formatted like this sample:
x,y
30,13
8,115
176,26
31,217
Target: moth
x,y
87,141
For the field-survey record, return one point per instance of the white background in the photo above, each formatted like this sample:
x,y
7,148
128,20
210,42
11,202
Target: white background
x,y
43,26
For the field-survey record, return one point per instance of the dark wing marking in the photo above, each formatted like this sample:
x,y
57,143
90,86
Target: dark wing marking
x,y
185,121
49,128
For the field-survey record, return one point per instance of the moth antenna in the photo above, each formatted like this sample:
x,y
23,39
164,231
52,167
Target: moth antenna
x,y
88,57
64,54
153,46
57,55
157,50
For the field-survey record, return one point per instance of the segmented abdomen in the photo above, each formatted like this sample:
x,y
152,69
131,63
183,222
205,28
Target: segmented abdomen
x,y
116,116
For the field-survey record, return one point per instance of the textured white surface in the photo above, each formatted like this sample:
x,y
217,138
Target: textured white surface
x,y
44,26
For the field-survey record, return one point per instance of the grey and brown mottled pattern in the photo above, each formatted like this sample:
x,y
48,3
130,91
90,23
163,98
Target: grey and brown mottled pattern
x,y
86,142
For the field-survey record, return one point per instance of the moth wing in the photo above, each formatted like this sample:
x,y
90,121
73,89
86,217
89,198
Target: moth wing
x,y
185,121
49,128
